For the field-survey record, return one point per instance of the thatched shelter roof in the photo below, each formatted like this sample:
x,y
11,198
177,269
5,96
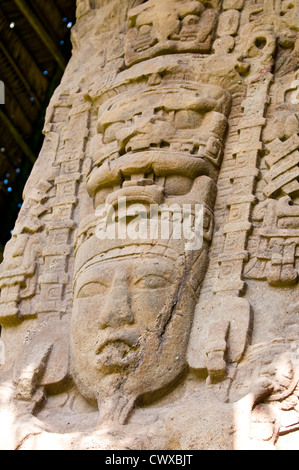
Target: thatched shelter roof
x,y
34,50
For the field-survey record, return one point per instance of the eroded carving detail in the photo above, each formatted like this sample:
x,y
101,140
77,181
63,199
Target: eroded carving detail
x,y
173,26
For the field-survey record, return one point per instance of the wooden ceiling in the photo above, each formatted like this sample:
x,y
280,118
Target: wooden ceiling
x,y
34,50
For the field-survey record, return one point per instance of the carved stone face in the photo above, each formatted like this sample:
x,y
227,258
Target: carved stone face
x,y
172,25
116,303
133,310
161,131
176,119
128,330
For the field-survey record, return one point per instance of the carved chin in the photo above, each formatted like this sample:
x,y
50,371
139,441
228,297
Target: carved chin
x,y
116,356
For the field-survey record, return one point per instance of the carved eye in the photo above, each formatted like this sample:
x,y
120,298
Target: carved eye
x,y
91,290
191,20
145,29
152,281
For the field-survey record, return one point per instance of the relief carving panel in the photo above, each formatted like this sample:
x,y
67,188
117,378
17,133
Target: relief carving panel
x,y
157,28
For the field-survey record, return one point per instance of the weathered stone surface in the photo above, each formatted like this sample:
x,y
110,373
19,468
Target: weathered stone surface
x,y
120,330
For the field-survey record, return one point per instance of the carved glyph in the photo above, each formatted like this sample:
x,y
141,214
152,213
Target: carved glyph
x,y
156,28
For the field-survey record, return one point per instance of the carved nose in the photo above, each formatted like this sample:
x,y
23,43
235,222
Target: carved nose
x,y
117,310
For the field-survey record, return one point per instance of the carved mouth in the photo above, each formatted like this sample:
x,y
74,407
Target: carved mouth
x,y
188,38
143,48
118,351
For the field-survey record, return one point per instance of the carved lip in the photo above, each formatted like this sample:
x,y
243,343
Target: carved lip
x,y
130,338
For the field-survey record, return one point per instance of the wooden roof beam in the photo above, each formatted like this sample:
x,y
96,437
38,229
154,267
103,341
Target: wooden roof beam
x,y
40,30
20,74
28,54
17,137
14,106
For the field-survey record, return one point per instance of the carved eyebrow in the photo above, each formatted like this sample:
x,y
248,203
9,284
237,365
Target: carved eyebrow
x,y
93,284
154,269
87,278
154,278
144,275
194,9
94,281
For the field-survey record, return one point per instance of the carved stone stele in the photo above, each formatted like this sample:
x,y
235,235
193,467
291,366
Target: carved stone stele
x,y
149,292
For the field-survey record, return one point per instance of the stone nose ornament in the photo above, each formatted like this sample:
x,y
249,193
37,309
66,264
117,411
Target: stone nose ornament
x,y
116,311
